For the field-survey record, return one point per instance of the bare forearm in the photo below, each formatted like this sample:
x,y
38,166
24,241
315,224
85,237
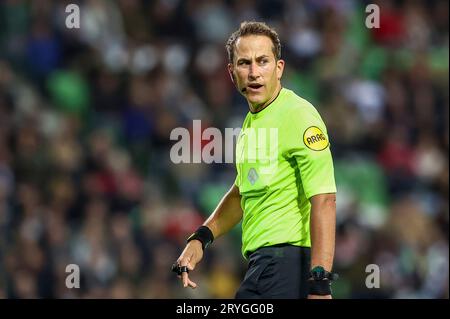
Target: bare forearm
x,y
323,227
227,214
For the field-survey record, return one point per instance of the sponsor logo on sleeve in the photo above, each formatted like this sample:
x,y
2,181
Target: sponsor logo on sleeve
x,y
315,139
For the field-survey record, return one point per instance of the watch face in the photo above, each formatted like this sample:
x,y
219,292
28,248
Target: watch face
x,y
318,273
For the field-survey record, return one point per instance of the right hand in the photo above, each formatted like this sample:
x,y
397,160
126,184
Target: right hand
x,y
190,256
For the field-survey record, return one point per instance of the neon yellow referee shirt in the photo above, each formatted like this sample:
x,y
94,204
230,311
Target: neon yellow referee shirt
x,y
282,159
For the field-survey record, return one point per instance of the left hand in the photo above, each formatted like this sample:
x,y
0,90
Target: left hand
x,y
319,297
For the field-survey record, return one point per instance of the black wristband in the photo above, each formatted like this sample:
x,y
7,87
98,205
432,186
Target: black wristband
x,y
204,235
319,287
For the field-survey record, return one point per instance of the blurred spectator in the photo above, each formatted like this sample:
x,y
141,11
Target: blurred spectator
x,y
85,122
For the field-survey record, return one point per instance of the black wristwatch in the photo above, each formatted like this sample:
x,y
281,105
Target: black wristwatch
x,y
319,273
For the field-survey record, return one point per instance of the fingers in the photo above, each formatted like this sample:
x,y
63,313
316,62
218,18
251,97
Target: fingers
x,y
189,258
187,282
187,261
184,276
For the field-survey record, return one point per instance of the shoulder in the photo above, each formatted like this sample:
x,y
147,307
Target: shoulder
x,y
246,119
299,108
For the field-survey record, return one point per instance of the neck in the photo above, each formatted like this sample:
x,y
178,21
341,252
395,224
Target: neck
x,y
257,108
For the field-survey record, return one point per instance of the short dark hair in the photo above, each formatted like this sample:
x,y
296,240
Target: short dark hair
x,y
253,28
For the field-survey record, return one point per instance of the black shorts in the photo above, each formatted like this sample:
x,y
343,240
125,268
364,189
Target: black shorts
x,y
278,271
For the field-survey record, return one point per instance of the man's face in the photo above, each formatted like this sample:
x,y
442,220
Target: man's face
x,y
255,71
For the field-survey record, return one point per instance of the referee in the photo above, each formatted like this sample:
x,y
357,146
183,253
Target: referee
x,y
284,192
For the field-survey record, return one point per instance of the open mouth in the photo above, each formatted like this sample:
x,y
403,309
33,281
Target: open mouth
x,y
254,86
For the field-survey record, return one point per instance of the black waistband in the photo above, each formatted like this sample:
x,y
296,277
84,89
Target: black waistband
x,y
278,249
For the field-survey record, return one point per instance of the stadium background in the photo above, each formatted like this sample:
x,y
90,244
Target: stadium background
x,y
86,114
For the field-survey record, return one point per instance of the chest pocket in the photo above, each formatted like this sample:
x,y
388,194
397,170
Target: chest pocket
x,y
256,160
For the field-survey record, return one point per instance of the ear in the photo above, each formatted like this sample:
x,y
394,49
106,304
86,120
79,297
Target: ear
x,y
280,69
230,68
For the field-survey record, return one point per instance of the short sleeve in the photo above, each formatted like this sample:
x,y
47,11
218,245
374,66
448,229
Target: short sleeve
x,y
310,146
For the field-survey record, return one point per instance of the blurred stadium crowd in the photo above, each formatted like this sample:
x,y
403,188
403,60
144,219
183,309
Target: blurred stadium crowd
x,y
86,115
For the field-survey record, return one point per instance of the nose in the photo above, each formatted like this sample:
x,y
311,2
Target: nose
x,y
253,73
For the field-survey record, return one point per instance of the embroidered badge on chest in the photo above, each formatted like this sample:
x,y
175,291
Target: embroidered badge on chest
x,y
252,176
